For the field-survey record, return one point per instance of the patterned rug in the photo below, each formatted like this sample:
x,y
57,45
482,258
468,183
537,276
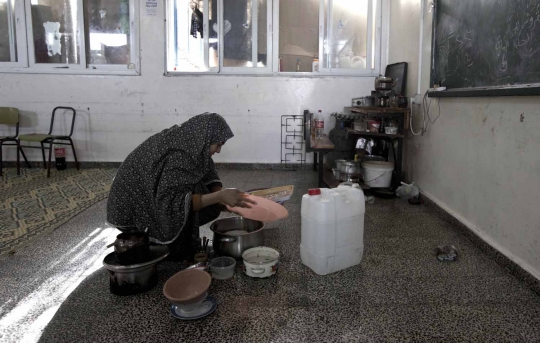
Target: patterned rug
x,y
32,205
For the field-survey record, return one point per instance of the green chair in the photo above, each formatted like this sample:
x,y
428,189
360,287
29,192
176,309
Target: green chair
x,y
51,140
10,116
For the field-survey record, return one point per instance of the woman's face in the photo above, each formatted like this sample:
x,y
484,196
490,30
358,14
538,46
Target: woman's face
x,y
215,148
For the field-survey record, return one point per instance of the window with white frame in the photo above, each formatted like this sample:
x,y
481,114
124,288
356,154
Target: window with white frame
x,y
311,37
68,35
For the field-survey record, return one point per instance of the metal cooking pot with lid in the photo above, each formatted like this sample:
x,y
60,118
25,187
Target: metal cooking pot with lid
x,y
384,83
233,236
351,168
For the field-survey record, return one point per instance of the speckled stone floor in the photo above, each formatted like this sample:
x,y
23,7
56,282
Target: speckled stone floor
x,y
399,293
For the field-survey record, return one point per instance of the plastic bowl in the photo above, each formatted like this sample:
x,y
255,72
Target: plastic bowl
x,y
222,268
187,289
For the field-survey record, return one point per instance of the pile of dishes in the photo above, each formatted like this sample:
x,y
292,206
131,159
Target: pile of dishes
x,y
347,171
234,238
187,290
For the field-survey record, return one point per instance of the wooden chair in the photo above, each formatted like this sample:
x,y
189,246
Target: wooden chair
x,y
10,116
51,140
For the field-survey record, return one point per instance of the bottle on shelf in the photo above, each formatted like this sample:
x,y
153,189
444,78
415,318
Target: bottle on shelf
x,y
280,63
382,126
297,65
319,125
315,65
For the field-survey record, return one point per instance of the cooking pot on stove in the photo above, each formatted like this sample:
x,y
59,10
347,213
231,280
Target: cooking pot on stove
x,y
384,83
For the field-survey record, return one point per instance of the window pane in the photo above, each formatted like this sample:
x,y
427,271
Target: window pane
x,y
188,44
346,34
373,34
298,34
238,33
213,34
54,24
262,33
8,45
108,31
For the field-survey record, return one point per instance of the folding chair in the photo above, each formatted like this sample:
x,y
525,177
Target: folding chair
x,y
10,116
51,139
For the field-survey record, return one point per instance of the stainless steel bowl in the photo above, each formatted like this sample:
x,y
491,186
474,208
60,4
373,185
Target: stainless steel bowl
x,y
350,168
233,245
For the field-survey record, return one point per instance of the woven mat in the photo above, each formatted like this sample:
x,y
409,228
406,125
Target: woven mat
x,y
32,205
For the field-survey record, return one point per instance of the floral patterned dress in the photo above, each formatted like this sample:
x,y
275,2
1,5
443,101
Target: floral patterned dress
x,y
152,190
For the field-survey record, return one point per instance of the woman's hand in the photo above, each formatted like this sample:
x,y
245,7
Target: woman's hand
x,y
235,198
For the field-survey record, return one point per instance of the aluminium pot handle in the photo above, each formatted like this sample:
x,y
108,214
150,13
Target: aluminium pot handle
x,y
257,270
227,239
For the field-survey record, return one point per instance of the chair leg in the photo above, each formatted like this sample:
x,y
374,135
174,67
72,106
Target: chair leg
x,y
43,154
1,163
74,154
18,159
24,156
50,156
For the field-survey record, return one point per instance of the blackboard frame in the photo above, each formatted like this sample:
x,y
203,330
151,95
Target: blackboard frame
x,y
513,90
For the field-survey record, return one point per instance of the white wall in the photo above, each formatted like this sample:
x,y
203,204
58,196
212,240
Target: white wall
x,y
479,160
116,113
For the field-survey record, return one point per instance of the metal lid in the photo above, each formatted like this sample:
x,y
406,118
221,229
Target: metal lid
x,y
157,253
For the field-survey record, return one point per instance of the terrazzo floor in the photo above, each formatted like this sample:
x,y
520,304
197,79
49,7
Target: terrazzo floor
x,y
57,290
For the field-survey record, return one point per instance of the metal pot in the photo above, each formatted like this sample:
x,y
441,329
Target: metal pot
x,y
383,83
368,101
351,168
373,158
349,178
339,163
135,278
234,244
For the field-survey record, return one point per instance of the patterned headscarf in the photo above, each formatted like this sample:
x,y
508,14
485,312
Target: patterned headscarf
x,y
152,189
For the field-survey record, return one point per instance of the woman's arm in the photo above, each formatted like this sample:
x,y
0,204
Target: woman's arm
x,y
231,197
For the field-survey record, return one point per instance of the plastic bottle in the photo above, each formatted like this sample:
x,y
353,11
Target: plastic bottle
x,y
60,158
315,65
298,65
319,125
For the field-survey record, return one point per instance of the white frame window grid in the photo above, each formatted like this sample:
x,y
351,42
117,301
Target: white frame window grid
x,y
26,53
376,57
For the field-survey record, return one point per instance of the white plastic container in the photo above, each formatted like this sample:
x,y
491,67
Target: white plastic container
x,y
378,174
333,229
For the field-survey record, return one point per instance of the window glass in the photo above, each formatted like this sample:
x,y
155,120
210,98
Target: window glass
x,y
107,26
8,43
237,40
346,34
298,34
262,33
54,24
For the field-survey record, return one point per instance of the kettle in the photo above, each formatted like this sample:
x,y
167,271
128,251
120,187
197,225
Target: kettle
x,y
131,247
384,83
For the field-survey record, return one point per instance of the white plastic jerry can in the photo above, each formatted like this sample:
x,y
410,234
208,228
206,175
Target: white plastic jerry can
x,y
332,228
